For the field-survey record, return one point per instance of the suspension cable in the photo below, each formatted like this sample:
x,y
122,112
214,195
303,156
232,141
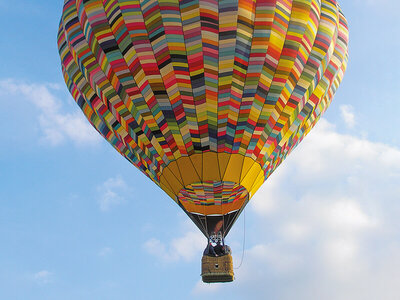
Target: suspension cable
x,y
244,238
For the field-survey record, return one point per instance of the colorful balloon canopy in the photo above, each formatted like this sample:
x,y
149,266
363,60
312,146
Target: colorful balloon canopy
x,y
205,97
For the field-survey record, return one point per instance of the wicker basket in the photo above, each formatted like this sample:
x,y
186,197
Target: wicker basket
x,y
217,269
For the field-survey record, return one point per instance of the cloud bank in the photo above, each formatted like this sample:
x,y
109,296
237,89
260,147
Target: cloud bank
x,y
56,123
186,248
325,225
347,112
109,193
43,277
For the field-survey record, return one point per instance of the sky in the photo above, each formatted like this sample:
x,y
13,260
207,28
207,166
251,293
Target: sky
x,y
77,221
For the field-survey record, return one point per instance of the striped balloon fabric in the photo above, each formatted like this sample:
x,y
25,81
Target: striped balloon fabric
x,y
205,97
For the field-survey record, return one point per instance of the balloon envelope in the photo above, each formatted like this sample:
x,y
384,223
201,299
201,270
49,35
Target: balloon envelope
x,y
205,97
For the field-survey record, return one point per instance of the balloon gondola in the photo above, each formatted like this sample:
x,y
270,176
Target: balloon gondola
x,y
204,97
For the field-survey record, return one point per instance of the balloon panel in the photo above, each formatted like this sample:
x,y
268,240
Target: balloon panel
x,y
205,97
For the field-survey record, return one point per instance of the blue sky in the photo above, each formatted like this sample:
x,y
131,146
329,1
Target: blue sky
x,y
77,221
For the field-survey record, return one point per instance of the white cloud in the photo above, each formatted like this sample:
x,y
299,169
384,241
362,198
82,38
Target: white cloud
x,y
105,252
324,226
375,2
281,260
43,277
187,248
56,124
347,114
109,193
202,288
327,222
295,232
346,215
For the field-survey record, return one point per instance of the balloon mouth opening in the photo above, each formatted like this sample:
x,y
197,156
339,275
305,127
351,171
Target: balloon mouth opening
x,y
213,197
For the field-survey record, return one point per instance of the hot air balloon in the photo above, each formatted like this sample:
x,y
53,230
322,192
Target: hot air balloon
x,y
204,97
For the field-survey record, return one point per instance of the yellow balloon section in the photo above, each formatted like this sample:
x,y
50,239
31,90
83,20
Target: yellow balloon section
x,y
205,97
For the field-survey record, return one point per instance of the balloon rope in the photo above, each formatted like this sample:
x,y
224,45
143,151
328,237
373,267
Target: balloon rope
x,y
244,238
